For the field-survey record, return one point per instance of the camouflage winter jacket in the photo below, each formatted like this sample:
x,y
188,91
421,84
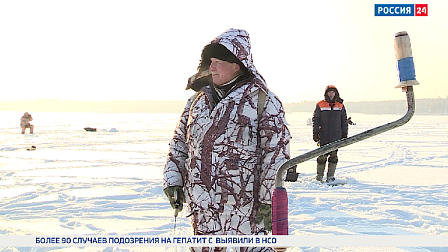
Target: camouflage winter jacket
x,y
216,151
25,120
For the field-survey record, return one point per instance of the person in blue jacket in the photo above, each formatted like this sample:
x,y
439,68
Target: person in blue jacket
x,y
329,124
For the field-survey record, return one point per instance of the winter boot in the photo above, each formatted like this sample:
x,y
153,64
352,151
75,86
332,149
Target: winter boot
x,y
320,171
331,170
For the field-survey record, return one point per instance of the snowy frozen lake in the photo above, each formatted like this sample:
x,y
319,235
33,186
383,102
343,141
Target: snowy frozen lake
x,y
109,183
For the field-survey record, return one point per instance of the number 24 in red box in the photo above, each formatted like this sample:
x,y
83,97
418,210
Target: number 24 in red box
x,y
421,9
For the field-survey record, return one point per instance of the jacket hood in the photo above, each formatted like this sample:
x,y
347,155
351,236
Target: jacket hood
x,y
336,97
237,42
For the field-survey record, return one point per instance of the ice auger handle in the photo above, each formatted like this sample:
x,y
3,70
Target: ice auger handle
x,y
407,80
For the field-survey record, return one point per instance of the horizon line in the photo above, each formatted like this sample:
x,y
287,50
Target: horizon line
x,y
124,100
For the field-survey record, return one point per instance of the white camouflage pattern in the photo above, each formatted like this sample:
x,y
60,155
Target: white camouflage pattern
x,y
215,153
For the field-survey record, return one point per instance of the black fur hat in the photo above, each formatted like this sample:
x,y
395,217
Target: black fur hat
x,y
218,51
203,77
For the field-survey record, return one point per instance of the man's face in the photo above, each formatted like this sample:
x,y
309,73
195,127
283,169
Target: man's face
x,y
331,94
223,71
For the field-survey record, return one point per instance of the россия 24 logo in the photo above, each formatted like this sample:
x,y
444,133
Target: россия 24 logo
x,y
401,9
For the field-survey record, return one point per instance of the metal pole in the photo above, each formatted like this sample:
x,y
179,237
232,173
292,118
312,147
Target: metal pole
x,y
406,72
347,141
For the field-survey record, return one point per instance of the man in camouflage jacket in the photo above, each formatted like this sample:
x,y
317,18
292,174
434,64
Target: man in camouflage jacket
x,y
224,154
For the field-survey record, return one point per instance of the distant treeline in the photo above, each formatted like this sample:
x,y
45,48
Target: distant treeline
x,y
423,106
121,106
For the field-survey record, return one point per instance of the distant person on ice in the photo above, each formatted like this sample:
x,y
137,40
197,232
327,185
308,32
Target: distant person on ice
x,y
329,124
25,123
350,122
230,140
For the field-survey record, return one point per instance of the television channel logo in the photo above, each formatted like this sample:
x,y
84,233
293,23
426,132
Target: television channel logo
x,y
401,10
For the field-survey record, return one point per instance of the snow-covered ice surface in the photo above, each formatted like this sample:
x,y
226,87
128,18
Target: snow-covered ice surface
x,y
109,183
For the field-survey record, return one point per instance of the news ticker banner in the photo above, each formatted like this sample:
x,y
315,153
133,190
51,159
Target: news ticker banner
x,y
401,10
225,241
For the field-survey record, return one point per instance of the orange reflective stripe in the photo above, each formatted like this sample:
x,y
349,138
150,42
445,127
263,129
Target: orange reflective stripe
x,y
324,105
338,105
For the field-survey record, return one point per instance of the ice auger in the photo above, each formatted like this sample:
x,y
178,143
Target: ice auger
x,y
406,74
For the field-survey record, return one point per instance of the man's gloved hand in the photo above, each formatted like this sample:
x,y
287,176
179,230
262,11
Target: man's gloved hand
x,y
265,213
316,137
169,192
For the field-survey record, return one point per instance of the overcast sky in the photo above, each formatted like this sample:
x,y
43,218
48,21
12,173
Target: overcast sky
x,y
146,50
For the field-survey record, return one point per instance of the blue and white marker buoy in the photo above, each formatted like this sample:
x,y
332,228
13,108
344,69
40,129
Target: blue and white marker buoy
x,y
405,61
